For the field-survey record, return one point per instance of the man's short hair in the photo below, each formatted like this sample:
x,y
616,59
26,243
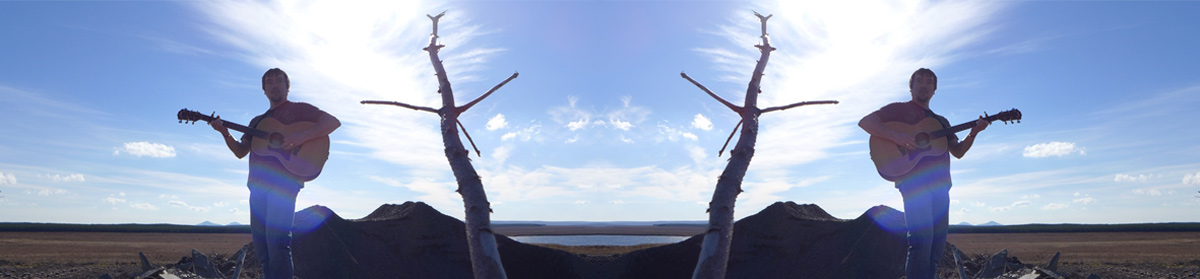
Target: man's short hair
x,y
922,71
276,71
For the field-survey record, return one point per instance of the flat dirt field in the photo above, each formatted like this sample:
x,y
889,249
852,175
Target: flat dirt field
x,y
1108,254
91,254
1106,247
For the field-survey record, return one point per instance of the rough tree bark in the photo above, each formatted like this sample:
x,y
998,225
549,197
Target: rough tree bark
x,y
714,252
485,258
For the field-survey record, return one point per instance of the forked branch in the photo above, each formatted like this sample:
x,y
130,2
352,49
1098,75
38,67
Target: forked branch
x,y
735,108
472,103
429,109
827,102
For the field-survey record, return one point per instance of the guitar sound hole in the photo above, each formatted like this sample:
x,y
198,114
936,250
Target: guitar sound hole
x,y
276,140
923,140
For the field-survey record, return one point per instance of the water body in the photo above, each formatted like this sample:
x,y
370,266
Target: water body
x,y
607,240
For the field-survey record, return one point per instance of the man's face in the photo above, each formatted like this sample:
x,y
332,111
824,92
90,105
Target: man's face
x,y
923,86
276,88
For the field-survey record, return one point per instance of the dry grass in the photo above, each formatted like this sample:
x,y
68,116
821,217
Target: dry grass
x,y
1087,248
106,248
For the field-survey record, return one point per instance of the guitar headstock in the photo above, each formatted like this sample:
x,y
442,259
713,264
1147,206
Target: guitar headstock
x,y
1008,116
186,116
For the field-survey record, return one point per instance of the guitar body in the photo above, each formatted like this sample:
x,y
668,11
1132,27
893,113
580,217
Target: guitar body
x,y
894,161
304,161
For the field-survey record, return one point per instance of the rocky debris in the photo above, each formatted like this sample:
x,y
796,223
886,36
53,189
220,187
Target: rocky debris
x,y
198,266
1001,266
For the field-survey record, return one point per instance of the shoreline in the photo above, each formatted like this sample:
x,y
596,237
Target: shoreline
x,y
598,230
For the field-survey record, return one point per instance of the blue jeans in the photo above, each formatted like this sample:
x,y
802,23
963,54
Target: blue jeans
x,y
272,210
925,212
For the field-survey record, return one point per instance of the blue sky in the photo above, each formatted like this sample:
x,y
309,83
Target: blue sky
x,y
599,126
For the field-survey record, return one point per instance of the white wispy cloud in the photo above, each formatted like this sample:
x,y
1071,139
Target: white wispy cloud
x,y
1055,206
1057,149
524,133
1121,177
147,149
620,125
1147,192
666,132
143,206
1011,206
578,124
77,177
701,122
48,192
188,207
7,179
497,122
500,154
1188,179
113,200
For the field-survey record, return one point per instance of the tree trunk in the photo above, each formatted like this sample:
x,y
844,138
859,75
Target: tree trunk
x,y
714,252
485,258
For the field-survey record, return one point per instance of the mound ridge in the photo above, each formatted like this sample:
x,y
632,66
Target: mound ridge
x,y
787,240
413,240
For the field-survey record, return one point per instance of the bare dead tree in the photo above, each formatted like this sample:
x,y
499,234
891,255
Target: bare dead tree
x,y
485,258
714,252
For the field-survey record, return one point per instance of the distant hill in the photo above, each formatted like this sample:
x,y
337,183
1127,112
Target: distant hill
x,y
153,228
211,224
599,223
990,223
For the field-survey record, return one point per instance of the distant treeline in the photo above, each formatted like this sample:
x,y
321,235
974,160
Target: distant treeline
x,y
1078,228
122,228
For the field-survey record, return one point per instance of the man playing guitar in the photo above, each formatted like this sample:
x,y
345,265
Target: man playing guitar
x,y
926,188
273,188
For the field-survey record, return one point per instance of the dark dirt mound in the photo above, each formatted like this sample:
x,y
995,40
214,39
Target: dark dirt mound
x,y
785,240
411,240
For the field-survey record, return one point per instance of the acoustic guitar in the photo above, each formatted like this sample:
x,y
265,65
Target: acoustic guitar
x,y
894,161
304,161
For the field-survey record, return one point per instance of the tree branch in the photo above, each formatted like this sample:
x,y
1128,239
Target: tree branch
x,y
472,103
464,129
770,109
763,19
429,109
736,109
434,36
435,20
735,129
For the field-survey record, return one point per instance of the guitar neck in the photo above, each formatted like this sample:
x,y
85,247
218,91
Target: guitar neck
x,y
238,127
960,127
